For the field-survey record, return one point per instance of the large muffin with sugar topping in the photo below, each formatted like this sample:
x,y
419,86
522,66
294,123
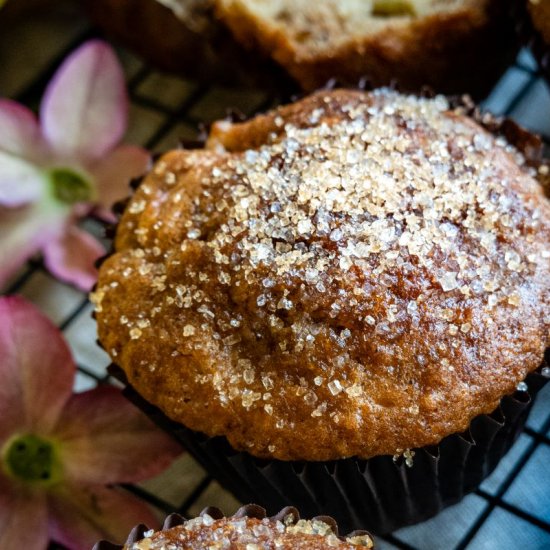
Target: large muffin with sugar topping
x,y
354,274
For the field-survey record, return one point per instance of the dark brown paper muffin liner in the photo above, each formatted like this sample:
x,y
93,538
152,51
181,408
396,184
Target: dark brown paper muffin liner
x,y
380,494
248,510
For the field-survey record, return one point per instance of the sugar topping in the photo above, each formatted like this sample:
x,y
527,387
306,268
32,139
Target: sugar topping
x,y
394,186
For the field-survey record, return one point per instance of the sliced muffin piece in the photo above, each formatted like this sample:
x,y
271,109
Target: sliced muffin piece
x,y
451,45
455,46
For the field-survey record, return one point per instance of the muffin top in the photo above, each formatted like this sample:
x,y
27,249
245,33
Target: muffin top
x,y
352,274
245,533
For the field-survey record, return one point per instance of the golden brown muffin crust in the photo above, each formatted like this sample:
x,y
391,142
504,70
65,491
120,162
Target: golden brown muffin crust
x,y
250,534
352,274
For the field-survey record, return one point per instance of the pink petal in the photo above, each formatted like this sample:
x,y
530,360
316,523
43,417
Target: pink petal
x,y
23,231
20,182
106,439
36,369
113,174
20,133
23,518
80,516
71,257
84,109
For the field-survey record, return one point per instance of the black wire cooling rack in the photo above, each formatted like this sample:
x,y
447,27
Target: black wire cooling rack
x,y
510,510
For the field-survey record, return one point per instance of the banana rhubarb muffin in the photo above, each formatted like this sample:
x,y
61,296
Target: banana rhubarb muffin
x,y
451,45
248,529
356,274
455,46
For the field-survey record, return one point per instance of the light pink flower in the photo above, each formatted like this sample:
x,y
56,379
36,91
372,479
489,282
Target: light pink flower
x,y
59,451
61,168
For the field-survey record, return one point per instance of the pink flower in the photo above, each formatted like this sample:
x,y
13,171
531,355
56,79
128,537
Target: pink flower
x,y
60,451
55,171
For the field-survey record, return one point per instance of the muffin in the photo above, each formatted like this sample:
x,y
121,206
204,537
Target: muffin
x,y
248,528
454,46
349,278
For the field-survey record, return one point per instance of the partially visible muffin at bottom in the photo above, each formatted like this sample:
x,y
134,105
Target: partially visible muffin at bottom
x,y
248,529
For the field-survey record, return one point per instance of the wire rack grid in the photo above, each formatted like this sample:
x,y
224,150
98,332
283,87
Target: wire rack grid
x,y
512,507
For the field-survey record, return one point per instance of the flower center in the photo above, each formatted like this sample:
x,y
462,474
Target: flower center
x,y
70,187
32,459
